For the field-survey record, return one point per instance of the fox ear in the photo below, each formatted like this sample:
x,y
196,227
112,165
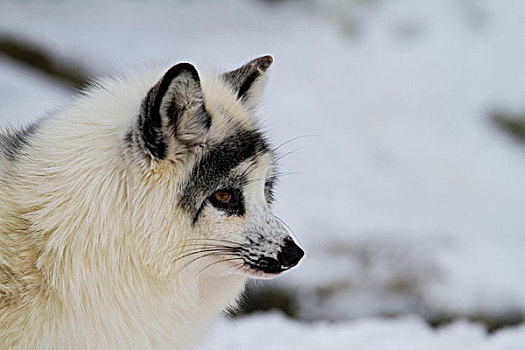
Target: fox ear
x,y
248,80
172,113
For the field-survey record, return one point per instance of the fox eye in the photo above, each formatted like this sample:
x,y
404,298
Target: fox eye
x,y
223,197
229,201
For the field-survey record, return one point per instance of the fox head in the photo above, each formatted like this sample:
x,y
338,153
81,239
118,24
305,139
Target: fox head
x,y
143,205
161,172
197,139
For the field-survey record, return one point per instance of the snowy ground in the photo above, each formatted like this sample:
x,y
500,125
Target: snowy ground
x,y
405,197
273,331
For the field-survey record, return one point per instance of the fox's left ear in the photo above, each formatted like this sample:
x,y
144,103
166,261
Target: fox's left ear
x,y
248,80
173,117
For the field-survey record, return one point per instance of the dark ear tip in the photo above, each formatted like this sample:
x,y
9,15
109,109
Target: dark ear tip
x,y
181,68
264,62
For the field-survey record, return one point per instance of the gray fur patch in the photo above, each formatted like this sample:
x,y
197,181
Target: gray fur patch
x,y
213,170
13,143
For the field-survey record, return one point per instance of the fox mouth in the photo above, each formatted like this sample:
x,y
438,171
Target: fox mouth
x,y
264,268
260,267
252,270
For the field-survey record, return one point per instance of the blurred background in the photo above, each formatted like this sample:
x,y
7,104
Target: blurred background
x,y
404,154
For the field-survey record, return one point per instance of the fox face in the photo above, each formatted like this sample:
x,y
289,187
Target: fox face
x,y
202,133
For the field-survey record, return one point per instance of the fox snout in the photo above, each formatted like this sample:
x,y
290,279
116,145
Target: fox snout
x,y
264,266
290,254
267,259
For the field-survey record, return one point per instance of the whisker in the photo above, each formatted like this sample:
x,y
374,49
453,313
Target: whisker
x,y
293,139
214,250
288,227
246,172
203,250
254,180
240,267
206,246
213,239
218,262
199,257
288,173
241,264
295,150
195,244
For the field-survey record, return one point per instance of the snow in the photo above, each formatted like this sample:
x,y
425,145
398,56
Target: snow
x,y
405,197
274,331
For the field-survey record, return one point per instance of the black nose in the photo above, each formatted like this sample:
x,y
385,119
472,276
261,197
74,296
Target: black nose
x,y
290,255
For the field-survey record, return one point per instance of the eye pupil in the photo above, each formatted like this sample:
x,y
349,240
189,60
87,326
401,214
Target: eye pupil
x,y
223,197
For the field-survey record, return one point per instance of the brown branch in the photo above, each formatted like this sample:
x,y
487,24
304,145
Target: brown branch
x,y
41,59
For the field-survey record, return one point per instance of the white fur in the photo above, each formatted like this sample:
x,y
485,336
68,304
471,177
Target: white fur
x,y
99,238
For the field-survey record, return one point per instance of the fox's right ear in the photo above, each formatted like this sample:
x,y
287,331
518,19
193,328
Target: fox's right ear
x,y
248,81
172,113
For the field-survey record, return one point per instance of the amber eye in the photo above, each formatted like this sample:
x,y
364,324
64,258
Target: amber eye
x,y
228,200
223,197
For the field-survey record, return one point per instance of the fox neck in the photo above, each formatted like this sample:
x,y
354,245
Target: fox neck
x,y
130,306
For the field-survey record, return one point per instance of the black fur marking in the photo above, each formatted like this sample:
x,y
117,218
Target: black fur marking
x,y
233,183
12,144
150,120
234,207
245,86
269,188
198,213
243,78
212,172
207,121
151,126
264,264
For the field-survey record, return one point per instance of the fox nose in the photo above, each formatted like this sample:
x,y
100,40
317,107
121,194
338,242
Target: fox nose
x,y
290,254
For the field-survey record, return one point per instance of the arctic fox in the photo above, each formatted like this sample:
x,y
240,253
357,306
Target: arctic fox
x,y
131,218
